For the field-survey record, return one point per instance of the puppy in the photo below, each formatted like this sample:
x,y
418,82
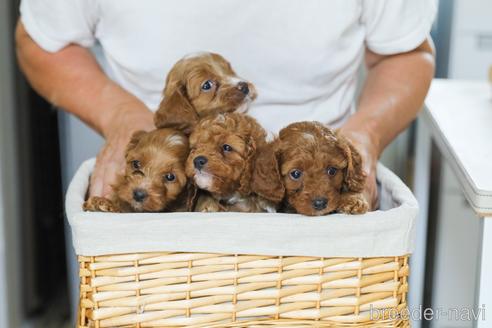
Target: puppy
x,y
321,170
231,160
198,86
154,177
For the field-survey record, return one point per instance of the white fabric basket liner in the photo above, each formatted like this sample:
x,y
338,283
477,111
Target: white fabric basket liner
x,y
389,231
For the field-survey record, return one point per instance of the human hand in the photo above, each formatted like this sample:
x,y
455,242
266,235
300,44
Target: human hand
x,y
119,126
368,150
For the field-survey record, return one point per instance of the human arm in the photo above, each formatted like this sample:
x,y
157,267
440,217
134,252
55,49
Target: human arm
x,y
71,79
391,97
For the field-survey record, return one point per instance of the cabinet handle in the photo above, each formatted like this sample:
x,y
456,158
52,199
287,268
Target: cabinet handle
x,y
484,41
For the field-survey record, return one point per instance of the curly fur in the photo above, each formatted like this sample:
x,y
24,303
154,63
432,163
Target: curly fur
x,y
245,179
185,103
159,152
312,149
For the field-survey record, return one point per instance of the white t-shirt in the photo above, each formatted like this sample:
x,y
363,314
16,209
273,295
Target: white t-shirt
x,y
303,56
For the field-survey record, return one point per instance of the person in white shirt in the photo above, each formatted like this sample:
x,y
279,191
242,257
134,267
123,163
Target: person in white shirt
x,y
303,57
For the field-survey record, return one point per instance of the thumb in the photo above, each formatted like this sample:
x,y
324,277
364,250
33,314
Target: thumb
x,y
110,175
96,183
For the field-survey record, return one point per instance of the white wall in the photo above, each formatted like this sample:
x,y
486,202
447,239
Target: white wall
x,y
471,40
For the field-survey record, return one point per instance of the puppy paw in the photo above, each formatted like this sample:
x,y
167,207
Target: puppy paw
x,y
207,204
354,204
209,207
99,204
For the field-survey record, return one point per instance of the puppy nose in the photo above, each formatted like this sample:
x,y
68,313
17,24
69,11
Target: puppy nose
x,y
139,195
243,87
320,203
200,162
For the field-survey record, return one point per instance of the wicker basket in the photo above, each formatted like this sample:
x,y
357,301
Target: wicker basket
x,y
176,288
225,290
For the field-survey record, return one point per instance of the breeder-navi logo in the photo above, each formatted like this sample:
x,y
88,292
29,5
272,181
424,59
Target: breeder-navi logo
x,y
421,313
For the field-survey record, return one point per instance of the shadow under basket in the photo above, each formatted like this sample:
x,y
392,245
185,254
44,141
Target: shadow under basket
x,y
244,270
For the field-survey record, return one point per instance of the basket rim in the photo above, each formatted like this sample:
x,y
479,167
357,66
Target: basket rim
x,y
379,233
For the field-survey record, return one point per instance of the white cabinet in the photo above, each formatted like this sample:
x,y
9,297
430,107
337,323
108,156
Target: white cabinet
x,y
456,246
457,239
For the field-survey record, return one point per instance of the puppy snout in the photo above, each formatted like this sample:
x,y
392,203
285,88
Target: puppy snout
x,y
139,195
243,87
200,162
320,203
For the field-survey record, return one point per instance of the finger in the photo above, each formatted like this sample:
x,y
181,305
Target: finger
x,y
115,166
96,183
110,174
373,200
97,177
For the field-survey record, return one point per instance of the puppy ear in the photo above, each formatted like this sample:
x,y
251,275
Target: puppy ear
x,y
134,140
175,110
245,181
266,180
191,196
354,175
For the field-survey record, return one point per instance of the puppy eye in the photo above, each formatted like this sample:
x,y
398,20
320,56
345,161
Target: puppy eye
x,y
226,148
332,171
169,177
136,165
207,85
295,174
